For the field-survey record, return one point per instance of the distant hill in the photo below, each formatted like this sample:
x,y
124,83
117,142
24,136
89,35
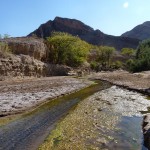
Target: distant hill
x,y
85,32
140,32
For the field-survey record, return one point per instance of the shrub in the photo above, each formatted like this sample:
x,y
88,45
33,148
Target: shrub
x,y
4,48
128,51
94,65
67,49
142,61
117,64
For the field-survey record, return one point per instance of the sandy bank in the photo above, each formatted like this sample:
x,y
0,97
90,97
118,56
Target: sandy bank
x,y
19,95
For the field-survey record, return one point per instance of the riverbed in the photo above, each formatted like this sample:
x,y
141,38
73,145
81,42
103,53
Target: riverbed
x,y
28,131
20,95
110,119
101,117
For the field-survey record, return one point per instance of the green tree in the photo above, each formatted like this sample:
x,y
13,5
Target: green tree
x,y
104,54
127,51
67,49
117,64
142,61
4,36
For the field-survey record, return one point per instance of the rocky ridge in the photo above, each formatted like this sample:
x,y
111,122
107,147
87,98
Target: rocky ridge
x,y
140,32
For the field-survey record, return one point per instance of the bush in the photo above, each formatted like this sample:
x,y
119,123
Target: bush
x,y
4,49
117,64
140,65
67,49
94,65
128,52
142,61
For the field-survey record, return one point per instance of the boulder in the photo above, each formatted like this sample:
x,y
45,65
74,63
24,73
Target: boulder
x,y
146,130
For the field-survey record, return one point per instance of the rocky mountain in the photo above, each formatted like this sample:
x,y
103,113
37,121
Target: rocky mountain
x,y
140,32
85,32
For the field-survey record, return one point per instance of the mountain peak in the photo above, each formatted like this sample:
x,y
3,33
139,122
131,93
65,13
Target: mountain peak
x,y
140,32
147,23
85,32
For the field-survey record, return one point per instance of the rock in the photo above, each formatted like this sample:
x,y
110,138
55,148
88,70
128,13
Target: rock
x,y
146,130
72,73
28,58
147,91
24,65
33,47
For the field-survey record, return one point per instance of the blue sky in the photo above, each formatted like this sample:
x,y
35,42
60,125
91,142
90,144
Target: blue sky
x,y
114,17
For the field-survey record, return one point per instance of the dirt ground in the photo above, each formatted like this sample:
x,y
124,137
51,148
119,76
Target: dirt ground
x,y
20,94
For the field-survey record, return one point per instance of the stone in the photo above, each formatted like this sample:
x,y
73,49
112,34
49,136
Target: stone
x,y
34,47
146,130
24,65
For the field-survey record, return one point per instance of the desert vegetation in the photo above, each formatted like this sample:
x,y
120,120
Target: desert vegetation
x,y
4,49
4,36
66,49
100,57
141,62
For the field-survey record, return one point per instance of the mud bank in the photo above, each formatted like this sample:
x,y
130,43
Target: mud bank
x,y
20,95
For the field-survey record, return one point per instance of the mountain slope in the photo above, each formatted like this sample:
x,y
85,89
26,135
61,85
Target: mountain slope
x,y
85,32
141,31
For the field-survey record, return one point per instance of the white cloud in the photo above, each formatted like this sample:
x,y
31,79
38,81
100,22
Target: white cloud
x,y
126,5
